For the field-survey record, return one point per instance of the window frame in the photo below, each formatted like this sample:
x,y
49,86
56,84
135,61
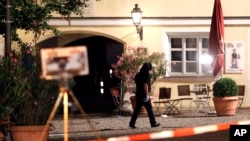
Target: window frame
x,y
199,35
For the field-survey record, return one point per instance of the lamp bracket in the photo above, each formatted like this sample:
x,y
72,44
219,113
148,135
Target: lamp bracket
x,y
140,31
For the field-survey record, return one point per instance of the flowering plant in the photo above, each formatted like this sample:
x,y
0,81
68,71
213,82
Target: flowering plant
x,y
129,64
13,85
23,94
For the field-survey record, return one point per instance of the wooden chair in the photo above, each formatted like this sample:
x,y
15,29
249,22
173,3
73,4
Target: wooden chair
x,y
241,93
121,106
184,95
164,94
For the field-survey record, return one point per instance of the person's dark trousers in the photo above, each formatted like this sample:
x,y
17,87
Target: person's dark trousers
x,y
149,108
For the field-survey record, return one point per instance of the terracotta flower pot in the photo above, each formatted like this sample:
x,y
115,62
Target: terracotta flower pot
x,y
29,133
225,106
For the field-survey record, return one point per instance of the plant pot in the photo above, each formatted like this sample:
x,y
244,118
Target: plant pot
x,y
225,106
133,102
29,133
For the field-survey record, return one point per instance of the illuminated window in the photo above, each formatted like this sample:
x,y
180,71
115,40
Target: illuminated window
x,y
189,55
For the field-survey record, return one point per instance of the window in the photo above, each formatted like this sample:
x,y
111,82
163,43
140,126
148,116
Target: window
x,y
189,55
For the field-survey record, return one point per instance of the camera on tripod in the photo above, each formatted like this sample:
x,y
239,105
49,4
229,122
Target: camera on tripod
x,y
64,62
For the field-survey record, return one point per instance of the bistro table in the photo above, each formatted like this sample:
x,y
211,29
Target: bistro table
x,y
170,106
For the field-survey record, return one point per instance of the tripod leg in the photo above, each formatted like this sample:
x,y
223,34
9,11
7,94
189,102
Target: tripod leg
x,y
52,114
84,113
65,115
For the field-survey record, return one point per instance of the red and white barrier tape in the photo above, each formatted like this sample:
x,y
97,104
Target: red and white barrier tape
x,y
180,132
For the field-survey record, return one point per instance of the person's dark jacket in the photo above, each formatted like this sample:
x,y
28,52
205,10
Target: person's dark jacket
x,y
142,77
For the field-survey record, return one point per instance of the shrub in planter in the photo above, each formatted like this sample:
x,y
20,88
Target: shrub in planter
x,y
225,87
225,96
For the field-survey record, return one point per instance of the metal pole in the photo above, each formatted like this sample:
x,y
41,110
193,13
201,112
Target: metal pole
x,y
8,28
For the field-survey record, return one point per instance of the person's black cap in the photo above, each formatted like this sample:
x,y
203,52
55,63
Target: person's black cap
x,y
146,66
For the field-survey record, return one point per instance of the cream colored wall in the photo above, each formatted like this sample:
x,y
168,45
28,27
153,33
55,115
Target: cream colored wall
x,y
240,34
153,40
127,34
170,8
154,35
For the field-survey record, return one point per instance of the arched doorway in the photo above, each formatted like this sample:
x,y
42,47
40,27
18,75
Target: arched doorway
x,y
102,53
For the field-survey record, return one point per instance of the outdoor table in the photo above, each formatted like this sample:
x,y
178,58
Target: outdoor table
x,y
170,106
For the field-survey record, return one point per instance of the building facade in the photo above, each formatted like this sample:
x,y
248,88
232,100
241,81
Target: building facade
x,y
166,23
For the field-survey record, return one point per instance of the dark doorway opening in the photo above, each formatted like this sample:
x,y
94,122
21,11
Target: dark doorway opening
x,y
102,53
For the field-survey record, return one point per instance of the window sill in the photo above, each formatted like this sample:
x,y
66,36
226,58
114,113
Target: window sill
x,y
189,79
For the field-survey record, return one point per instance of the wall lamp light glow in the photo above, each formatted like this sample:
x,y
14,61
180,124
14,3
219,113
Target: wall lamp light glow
x,y
136,17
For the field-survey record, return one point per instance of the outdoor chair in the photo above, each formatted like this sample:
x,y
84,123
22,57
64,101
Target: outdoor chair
x,y
120,104
184,95
164,94
241,93
165,99
202,99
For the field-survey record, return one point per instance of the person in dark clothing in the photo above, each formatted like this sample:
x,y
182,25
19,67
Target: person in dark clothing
x,y
143,87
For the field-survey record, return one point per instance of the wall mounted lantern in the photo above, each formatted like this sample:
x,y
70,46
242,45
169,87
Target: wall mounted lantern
x,y
137,16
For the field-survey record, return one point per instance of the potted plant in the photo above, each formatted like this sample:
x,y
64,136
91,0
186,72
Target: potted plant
x,y
129,64
31,98
225,92
10,96
38,95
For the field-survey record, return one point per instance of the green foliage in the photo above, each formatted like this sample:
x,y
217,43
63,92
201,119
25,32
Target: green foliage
x,y
225,87
22,92
66,7
129,64
38,96
32,16
13,85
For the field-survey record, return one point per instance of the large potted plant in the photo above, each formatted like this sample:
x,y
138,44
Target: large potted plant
x,y
40,95
225,99
129,64
10,96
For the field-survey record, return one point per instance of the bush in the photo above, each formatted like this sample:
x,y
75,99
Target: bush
x,y
225,87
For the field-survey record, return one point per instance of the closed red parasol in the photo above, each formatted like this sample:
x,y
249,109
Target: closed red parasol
x,y
216,38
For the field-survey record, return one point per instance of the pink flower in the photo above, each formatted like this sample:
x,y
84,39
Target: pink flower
x,y
119,63
28,51
14,60
129,64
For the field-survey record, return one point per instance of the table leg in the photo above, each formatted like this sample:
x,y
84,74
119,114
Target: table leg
x,y
171,107
157,106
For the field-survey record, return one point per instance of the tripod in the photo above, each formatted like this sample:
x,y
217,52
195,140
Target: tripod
x,y
64,92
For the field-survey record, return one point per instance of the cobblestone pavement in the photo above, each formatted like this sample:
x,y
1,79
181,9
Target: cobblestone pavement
x,y
106,126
